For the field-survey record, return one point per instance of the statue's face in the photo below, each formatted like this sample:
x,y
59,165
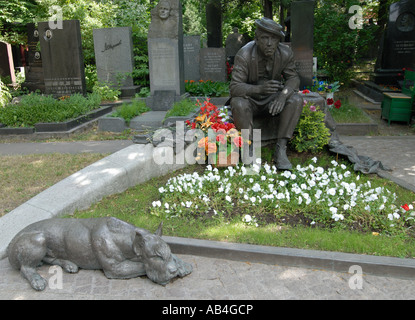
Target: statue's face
x,y
267,43
164,10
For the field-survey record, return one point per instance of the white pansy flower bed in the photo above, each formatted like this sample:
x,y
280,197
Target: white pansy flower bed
x,y
333,197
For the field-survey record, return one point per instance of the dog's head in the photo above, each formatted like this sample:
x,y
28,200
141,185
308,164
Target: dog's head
x,y
160,264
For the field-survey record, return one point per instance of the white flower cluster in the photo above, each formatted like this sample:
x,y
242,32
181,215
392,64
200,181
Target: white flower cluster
x,y
334,194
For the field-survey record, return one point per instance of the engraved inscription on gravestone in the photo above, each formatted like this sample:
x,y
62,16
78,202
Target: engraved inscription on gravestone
x,y
191,50
213,64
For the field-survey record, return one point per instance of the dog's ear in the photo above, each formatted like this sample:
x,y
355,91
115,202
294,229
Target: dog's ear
x,y
139,237
159,231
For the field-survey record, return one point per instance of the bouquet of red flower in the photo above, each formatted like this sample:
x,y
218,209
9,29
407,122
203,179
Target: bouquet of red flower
x,y
222,141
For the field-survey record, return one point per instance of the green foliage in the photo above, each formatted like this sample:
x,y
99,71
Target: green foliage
x,y
206,88
128,111
91,77
34,108
5,95
105,92
311,133
335,43
182,108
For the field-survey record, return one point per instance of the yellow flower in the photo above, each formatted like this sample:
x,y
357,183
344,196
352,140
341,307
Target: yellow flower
x,y
206,124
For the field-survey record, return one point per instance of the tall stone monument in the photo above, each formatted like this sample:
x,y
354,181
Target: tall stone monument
x,y
115,59
62,58
165,53
302,39
398,47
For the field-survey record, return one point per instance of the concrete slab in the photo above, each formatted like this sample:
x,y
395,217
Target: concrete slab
x,y
148,120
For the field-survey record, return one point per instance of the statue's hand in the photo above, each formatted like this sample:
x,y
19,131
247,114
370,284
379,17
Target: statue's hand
x,y
271,87
276,106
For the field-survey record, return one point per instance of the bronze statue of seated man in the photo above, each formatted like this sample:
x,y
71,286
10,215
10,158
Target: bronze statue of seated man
x,y
264,81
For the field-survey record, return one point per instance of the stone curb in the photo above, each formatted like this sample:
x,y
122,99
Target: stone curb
x,y
114,174
332,261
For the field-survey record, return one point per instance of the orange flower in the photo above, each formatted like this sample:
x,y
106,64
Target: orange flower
x,y
201,118
203,143
211,147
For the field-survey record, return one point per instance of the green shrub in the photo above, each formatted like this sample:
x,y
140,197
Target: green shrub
x,y
106,93
34,108
128,111
311,133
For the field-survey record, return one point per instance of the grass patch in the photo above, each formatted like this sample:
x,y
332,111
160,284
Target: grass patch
x,y
224,222
349,113
23,177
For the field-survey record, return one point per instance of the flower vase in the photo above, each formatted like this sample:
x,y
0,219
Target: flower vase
x,y
226,160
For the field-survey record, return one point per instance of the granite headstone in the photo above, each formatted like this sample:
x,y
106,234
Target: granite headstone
x,y
233,43
34,79
165,53
302,39
398,47
115,59
191,50
213,64
62,58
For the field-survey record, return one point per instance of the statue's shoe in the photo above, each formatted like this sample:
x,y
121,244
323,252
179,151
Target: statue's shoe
x,y
281,159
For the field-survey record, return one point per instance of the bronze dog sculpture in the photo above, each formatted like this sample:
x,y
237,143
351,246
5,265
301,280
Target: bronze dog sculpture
x,y
121,250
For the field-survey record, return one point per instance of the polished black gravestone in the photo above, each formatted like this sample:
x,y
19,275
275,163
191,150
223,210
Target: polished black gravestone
x,y
302,39
34,79
398,45
62,58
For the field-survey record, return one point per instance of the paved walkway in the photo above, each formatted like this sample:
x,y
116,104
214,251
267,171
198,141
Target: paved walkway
x,y
23,148
211,279
218,278
395,152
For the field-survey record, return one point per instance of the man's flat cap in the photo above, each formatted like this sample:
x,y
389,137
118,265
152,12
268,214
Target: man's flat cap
x,y
271,26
